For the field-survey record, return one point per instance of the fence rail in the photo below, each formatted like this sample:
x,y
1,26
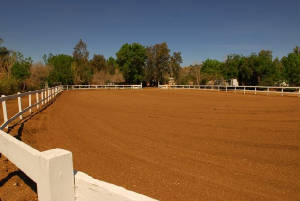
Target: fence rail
x,y
243,89
118,86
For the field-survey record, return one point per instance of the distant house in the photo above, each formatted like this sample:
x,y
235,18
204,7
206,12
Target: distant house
x,y
234,82
171,81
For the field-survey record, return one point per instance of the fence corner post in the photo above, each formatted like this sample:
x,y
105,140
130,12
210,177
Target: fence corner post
x,y
56,181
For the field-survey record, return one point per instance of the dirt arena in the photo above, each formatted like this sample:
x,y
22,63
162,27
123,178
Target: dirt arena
x,y
173,144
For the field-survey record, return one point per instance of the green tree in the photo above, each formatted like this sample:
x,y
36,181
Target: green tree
x,y
245,73
111,65
21,69
211,69
131,60
291,67
61,71
231,66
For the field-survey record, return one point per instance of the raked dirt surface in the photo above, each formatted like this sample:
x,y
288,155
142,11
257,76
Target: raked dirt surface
x,y
175,144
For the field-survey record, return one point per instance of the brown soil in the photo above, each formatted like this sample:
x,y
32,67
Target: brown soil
x,y
174,144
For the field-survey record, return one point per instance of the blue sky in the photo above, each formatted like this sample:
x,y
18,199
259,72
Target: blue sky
x,y
198,29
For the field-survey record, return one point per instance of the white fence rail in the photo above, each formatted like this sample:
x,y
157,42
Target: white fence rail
x,y
52,170
119,86
243,89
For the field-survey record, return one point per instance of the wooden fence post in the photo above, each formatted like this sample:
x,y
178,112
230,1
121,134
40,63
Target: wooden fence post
x,y
20,105
29,103
4,110
56,177
37,100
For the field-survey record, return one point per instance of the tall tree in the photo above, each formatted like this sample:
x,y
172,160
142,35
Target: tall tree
x,y
111,65
80,52
81,66
7,59
61,71
98,62
131,60
157,64
174,65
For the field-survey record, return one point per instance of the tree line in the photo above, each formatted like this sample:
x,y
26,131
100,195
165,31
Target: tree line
x,y
255,69
135,64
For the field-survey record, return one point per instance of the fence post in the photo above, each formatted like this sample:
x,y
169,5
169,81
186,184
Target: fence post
x,y
268,91
4,110
226,88
281,91
20,105
48,95
29,103
244,90
255,90
37,100
42,97
45,96
56,181
234,89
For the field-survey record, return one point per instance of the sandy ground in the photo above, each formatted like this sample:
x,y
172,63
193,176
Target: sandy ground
x,y
172,144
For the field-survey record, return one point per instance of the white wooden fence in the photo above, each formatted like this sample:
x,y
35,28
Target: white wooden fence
x,y
52,170
118,86
242,89
42,98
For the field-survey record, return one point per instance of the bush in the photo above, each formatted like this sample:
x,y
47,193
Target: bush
x,y
8,86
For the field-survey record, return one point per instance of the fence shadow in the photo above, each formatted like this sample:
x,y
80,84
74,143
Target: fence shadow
x,y
27,118
23,177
